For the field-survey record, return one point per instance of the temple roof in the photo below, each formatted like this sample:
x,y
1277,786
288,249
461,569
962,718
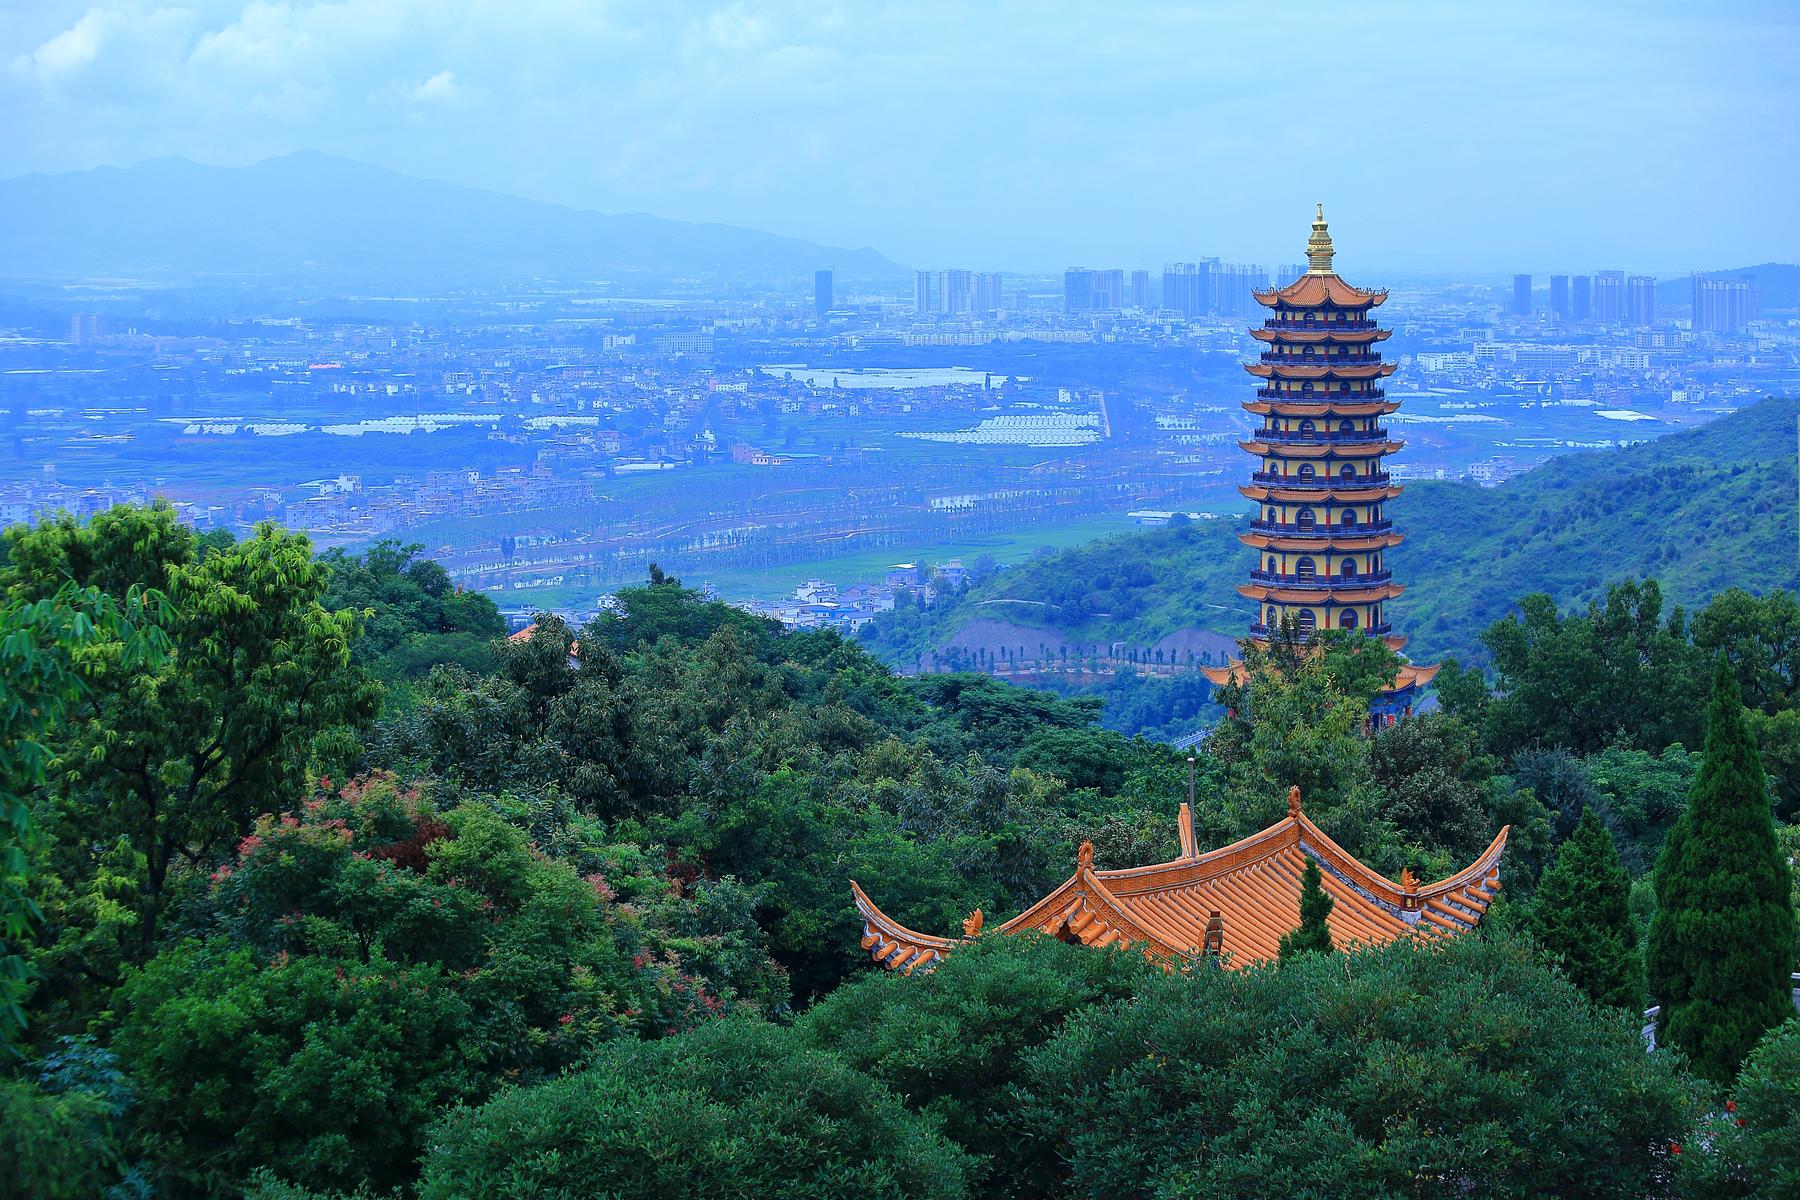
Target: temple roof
x,y
1327,593
1252,885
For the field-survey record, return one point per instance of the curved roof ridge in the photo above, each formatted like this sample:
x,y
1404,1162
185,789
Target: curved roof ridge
x,y
1136,927
1031,916
1271,834
892,928
1350,866
1484,863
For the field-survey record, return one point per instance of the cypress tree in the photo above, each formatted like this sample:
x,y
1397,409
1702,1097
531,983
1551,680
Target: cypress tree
x,y
1312,934
1582,915
1722,941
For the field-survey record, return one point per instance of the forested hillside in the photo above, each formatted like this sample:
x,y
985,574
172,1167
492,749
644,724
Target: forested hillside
x,y
316,888
1701,511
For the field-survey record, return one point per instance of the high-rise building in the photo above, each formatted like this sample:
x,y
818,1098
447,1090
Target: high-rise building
x,y
821,292
1085,290
954,292
1640,301
1581,303
1140,290
1559,296
1521,297
987,292
84,328
1723,305
1322,531
1078,290
1609,297
922,292
1235,286
1187,287
1289,272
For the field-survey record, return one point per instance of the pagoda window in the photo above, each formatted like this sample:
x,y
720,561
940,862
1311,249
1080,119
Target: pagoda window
x,y
1274,618
1348,472
1307,471
1348,570
1306,622
1274,569
1347,619
1306,569
1347,426
1349,518
1305,519
1307,429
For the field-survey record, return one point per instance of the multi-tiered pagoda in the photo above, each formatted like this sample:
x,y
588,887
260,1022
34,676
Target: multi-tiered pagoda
x,y
1322,531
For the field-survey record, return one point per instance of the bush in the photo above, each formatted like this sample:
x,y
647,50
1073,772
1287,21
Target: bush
x,y
1751,1148
735,1109
1457,1069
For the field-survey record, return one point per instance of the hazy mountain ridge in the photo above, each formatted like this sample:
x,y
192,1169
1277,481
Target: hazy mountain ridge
x,y
1701,511
322,215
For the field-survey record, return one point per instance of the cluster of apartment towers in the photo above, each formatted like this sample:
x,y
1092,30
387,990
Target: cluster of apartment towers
x,y
1719,304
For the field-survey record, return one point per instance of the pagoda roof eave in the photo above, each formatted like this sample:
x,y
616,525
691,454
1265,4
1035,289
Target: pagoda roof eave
x,y
1258,491
1316,370
1328,596
1349,542
1321,406
1322,449
1316,291
1303,337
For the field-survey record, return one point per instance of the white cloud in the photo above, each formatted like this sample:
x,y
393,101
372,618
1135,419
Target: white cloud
x,y
439,89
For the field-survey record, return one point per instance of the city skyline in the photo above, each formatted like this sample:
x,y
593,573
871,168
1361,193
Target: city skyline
x,y
808,122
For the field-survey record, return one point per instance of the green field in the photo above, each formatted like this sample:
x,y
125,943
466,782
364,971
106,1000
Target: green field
x,y
774,582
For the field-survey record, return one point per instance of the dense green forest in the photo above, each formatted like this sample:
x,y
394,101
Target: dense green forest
x,y
1700,511
315,886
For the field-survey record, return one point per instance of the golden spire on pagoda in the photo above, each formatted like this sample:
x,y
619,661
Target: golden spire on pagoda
x,y
1318,247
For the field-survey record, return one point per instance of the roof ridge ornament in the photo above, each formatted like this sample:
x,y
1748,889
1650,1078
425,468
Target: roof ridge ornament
x,y
1294,803
1084,857
972,923
1318,247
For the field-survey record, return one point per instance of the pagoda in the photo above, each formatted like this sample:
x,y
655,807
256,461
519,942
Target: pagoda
x,y
1322,530
1229,905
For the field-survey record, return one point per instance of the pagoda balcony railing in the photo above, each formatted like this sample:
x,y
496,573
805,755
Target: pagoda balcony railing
x,y
1319,437
1320,360
1260,630
1320,530
1312,326
1320,483
1319,583
1321,397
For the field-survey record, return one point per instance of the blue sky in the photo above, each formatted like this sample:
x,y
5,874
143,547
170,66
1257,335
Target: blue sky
x,y
1497,136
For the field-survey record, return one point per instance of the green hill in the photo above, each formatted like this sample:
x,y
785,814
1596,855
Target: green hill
x,y
1701,511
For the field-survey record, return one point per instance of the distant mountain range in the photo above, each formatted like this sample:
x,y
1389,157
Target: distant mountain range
x,y
1701,511
325,217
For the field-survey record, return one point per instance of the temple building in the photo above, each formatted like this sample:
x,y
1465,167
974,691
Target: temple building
x,y
1322,530
1231,904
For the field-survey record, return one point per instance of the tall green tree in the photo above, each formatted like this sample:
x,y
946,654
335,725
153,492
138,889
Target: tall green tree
x,y
1582,916
1312,935
1722,941
44,644
163,765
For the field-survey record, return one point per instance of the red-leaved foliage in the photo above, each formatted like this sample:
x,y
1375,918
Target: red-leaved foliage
x,y
410,852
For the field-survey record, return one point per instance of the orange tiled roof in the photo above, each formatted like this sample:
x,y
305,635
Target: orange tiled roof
x,y
524,635
1253,884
